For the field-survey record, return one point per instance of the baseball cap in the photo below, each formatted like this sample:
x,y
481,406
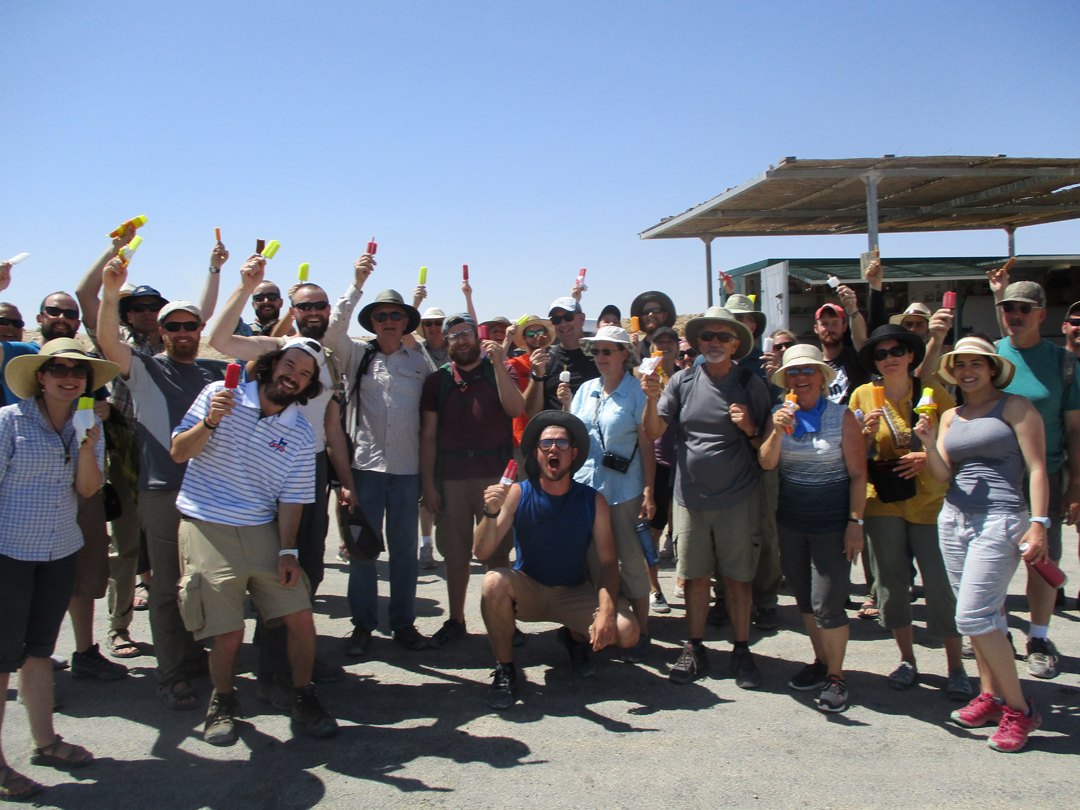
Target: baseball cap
x,y
566,302
178,306
1024,292
837,311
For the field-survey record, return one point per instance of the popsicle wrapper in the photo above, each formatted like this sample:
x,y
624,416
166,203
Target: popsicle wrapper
x,y
648,366
927,404
83,419
509,474
791,404
564,376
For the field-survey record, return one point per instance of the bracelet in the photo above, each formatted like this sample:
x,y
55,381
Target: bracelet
x,y
293,551
208,425
855,520
214,270
538,379
491,515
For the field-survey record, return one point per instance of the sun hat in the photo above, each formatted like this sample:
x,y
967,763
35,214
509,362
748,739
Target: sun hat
x,y
742,305
308,345
714,314
499,321
609,334
389,297
124,305
545,419
433,314
890,331
1024,292
1003,368
660,298
534,322
917,309
21,373
802,354
179,306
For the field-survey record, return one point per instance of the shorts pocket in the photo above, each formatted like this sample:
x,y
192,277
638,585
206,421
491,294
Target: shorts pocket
x,y
191,606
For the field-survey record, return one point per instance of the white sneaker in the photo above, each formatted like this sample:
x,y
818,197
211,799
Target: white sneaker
x,y
427,559
658,603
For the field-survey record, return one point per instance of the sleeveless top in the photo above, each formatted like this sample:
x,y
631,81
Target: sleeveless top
x,y
989,462
815,490
552,533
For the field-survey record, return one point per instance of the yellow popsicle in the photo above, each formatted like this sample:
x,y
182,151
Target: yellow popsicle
x,y
423,275
302,275
271,248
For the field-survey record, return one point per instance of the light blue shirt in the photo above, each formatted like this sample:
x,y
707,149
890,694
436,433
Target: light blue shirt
x,y
617,417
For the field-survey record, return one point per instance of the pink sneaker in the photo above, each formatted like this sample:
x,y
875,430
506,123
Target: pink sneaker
x,y
1014,729
980,711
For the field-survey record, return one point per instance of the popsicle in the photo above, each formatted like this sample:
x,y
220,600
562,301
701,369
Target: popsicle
x,y
423,275
128,250
724,276
833,282
523,319
83,419
753,299
22,257
509,474
232,375
465,272
791,404
135,223
482,331
271,248
635,324
581,276
260,245
878,392
1053,575
302,274
1009,264
564,375
766,344
948,301
217,234
372,247
927,404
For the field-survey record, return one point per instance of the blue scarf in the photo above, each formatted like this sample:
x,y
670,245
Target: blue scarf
x,y
809,421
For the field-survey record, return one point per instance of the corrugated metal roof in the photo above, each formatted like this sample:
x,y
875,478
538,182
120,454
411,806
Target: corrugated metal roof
x,y
817,271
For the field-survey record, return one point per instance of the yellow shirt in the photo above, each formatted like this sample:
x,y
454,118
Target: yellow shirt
x,y
929,493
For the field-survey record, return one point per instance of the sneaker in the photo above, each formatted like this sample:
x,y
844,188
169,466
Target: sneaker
x,y
810,677
833,697
904,676
325,672
637,653
679,592
967,650
1042,658
92,664
500,694
359,641
657,603
718,615
743,669
220,726
409,638
448,632
959,687
693,663
1014,728
343,553
980,711
427,557
765,619
580,664
309,712
277,691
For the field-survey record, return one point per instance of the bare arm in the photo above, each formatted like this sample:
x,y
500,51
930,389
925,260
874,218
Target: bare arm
x,y
467,290
208,300
489,532
1071,501
653,424
769,452
513,403
999,280
222,336
937,458
288,525
855,461
1031,436
534,392
111,279
90,285
648,471
187,445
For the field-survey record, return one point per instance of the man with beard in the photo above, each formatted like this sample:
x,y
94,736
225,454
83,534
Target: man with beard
x,y
830,323
162,388
311,313
1070,327
466,439
542,392
653,309
266,301
250,454
555,521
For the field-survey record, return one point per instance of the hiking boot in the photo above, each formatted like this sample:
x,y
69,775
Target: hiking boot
x,y
220,726
580,664
743,669
92,664
427,557
1014,728
637,653
693,663
980,711
959,687
1042,659
309,712
658,604
718,615
810,677
359,641
833,697
448,632
500,694
765,619
409,638
277,691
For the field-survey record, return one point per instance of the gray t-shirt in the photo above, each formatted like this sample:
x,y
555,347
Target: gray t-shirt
x,y
715,465
162,391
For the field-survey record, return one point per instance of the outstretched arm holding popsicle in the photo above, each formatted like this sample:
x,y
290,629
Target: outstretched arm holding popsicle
x,y
999,280
222,336
466,290
212,286
88,288
502,500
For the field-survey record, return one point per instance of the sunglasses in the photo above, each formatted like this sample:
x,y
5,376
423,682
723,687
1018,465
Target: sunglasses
x,y
155,307
557,319
429,324
57,312
307,306
652,310
1073,321
535,333
691,353
780,347
1025,309
558,444
395,316
806,371
723,337
605,352
187,326
260,297
59,372
895,351
18,323
454,338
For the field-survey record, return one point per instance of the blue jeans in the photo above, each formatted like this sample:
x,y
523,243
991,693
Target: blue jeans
x,y
398,498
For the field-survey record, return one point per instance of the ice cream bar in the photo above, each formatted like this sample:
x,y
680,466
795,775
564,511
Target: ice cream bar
x,y
260,244
564,375
372,247
949,300
232,375
129,249
791,404
1009,264
271,248
927,404
423,275
581,276
302,274
635,324
20,258
134,224
833,282
509,474
766,344
482,330
649,365
83,419
724,276
524,319
465,272
878,392
217,234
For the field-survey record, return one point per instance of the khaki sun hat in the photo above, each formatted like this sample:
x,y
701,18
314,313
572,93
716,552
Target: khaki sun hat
x,y
21,372
918,309
802,354
721,315
535,322
1003,368
739,304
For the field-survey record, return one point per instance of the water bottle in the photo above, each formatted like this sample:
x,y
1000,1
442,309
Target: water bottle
x,y
644,536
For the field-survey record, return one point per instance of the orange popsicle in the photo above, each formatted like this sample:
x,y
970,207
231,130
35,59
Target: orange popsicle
x,y
878,392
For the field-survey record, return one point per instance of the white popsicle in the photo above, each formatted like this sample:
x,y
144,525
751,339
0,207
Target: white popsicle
x,y
22,257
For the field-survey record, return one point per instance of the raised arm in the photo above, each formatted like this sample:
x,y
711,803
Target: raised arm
x,y
502,502
222,337
88,288
855,317
466,290
208,300
999,280
337,331
111,279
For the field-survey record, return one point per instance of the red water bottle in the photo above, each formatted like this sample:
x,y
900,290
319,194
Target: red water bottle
x,y
1048,570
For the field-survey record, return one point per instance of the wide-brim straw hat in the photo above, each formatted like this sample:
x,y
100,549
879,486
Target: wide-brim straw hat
x,y
721,315
1003,368
739,304
802,354
917,309
890,331
546,419
21,372
389,297
663,300
607,334
534,322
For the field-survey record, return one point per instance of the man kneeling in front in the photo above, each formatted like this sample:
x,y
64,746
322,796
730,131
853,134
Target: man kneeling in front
x,y
555,521
250,453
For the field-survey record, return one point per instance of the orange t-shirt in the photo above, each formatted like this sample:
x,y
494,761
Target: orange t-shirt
x,y
523,366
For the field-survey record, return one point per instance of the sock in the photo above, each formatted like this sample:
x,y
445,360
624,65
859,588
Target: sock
x,y
1039,631
999,701
745,645
425,541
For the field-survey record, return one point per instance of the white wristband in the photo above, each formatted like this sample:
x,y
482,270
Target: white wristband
x,y
1045,521
293,551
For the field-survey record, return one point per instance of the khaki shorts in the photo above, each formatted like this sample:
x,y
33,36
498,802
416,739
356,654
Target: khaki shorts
x,y
722,541
92,574
633,570
463,506
219,563
574,607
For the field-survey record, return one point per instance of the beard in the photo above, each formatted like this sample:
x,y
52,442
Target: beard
x,y
182,351
278,395
464,355
57,329
313,328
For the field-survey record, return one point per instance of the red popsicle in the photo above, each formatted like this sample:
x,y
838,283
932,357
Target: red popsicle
x,y
948,301
482,330
581,276
232,375
465,272
372,247
509,474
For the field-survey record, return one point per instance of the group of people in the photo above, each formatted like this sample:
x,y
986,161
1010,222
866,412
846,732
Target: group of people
x,y
765,465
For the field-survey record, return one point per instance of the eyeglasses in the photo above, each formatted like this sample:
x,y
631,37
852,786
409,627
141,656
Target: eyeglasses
x,y
57,312
395,316
557,319
155,307
1025,309
60,371
605,352
558,444
806,371
456,336
18,323
307,306
535,333
652,310
723,337
895,351
187,326
691,353
260,297
429,324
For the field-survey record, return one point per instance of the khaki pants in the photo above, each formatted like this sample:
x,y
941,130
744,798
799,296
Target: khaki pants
x,y
123,554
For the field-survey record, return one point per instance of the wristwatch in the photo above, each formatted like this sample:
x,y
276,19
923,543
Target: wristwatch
x,y
1045,521
214,270
856,520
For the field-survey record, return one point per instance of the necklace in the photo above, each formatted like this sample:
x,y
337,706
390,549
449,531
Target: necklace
x,y
58,432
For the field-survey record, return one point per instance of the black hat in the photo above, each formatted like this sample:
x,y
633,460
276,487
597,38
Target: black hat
x,y
139,292
389,297
610,309
659,298
546,419
891,331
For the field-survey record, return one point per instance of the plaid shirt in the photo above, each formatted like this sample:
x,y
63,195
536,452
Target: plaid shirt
x,y
37,485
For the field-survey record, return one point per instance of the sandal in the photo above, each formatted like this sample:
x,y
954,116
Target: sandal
x,y
14,787
179,699
868,611
904,676
62,755
142,597
121,645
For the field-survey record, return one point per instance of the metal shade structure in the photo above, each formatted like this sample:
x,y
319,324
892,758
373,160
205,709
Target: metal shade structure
x,y
818,271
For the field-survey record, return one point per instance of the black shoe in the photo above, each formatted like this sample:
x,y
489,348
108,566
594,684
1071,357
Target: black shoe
x,y
579,654
765,619
810,677
309,712
693,663
410,638
220,726
744,670
500,694
448,632
325,672
519,638
359,641
92,664
718,615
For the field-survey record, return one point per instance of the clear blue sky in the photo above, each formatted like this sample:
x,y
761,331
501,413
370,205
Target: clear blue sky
x,y
526,140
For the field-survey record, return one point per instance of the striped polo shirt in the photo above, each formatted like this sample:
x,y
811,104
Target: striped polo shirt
x,y
249,463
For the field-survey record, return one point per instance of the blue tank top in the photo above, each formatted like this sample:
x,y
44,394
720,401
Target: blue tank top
x,y
552,534
990,465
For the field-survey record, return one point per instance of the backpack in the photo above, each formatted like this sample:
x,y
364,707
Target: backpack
x,y
350,400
